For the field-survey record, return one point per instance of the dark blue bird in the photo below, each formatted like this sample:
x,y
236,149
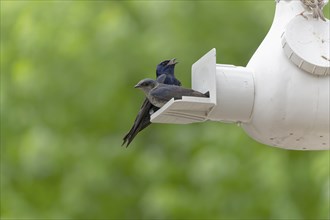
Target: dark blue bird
x,y
167,67
164,74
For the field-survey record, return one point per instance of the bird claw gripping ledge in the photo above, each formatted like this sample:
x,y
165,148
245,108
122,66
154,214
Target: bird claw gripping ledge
x,y
281,98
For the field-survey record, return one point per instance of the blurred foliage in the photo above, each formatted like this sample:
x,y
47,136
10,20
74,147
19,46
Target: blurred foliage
x,y
67,74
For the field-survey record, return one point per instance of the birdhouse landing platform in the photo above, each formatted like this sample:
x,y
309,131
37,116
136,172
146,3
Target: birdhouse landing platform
x,y
231,90
184,111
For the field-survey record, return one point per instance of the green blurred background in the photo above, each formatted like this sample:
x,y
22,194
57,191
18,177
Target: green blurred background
x,y
67,74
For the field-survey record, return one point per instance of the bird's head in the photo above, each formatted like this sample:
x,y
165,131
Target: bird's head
x,y
146,85
166,67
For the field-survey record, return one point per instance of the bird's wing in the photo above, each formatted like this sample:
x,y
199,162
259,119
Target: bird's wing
x,y
168,79
142,120
143,113
177,82
163,92
161,78
172,80
167,92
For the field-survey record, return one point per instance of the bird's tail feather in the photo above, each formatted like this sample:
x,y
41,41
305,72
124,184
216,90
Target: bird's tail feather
x,y
207,94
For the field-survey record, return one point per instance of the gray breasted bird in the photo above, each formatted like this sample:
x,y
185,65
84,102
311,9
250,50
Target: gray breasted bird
x,y
164,74
159,94
315,7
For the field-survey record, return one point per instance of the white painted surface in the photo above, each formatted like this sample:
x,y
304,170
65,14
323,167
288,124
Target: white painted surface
x,y
279,102
291,108
306,44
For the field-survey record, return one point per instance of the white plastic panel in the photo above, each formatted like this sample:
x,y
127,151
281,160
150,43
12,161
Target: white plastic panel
x,y
203,75
306,44
235,94
185,111
291,107
231,88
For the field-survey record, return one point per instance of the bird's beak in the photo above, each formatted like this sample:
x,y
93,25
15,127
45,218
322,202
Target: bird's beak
x,y
137,86
172,62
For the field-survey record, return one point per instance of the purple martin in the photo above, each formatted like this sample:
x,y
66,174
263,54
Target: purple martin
x,y
164,74
167,67
159,94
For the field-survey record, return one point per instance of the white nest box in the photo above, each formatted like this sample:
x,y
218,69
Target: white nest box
x,y
281,98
